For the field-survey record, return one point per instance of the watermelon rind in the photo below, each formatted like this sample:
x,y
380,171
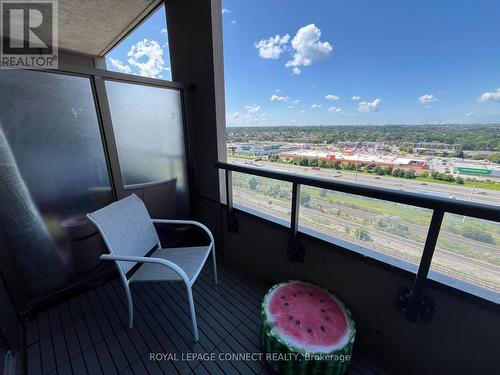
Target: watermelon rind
x,y
289,359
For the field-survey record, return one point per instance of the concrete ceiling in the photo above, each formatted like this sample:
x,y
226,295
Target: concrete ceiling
x,y
93,27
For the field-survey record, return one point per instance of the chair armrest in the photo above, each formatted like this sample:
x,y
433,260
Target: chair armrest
x,y
187,222
164,262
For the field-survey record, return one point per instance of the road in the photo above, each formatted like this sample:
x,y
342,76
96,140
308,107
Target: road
x,y
486,196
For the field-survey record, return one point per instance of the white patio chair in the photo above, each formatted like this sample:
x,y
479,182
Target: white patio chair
x,y
130,235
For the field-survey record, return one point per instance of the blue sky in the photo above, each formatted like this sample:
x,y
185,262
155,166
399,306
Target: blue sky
x,y
144,51
346,62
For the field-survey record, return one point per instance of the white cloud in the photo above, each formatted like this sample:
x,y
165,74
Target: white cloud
x,y
427,98
120,66
490,96
301,111
278,90
308,48
151,50
332,97
296,71
163,31
355,97
250,117
273,47
335,109
316,106
252,108
291,106
233,22
276,98
369,106
295,101
469,114
225,11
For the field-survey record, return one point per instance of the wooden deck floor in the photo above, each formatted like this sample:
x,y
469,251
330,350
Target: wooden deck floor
x,y
88,334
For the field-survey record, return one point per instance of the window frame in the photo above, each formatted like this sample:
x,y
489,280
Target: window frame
x,y
98,78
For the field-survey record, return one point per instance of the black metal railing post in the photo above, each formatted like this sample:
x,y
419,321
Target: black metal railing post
x,y
413,302
232,221
295,249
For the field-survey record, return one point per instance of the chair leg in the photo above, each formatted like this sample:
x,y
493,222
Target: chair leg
x,y
130,306
215,264
193,313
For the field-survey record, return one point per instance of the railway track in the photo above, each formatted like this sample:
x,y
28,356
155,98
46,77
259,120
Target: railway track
x,y
413,248
422,230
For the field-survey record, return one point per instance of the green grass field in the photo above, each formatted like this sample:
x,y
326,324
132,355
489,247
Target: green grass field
x,y
477,184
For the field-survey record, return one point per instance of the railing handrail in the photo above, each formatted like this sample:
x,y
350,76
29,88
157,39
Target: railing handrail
x,y
459,207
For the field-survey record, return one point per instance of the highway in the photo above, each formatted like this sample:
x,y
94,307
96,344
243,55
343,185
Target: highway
x,y
486,196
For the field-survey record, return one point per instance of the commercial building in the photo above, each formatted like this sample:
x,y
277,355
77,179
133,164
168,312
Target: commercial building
x,y
256,149
350,156
476,169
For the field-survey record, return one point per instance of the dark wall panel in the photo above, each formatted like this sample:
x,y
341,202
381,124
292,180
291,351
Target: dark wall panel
x,y
462,337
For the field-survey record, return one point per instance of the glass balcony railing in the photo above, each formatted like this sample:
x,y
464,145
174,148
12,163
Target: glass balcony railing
x,y
454,242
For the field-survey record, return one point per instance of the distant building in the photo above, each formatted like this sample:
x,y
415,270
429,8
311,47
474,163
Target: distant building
x,y
256,149
432,147
350,156
476,169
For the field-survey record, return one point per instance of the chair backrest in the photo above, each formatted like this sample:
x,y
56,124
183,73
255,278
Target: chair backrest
x,y
126,228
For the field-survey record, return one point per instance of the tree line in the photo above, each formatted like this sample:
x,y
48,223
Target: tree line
x,y
476,137
369,168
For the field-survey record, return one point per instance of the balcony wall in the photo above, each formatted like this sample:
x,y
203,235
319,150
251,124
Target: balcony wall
x,y
461,338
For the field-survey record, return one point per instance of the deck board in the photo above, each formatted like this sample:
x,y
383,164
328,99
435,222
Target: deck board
x,y
88,334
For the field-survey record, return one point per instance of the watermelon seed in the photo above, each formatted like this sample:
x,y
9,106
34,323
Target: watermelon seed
x,y
290,317
327,317
297,322
322,310
322,328
295,295
286,304
283,297
321,300
309,330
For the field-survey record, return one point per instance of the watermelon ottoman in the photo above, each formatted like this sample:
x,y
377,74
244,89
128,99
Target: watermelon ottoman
x,y
306,330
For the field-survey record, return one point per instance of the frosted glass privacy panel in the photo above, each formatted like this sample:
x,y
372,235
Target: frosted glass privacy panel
x,y
52,172
149,133
51,125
